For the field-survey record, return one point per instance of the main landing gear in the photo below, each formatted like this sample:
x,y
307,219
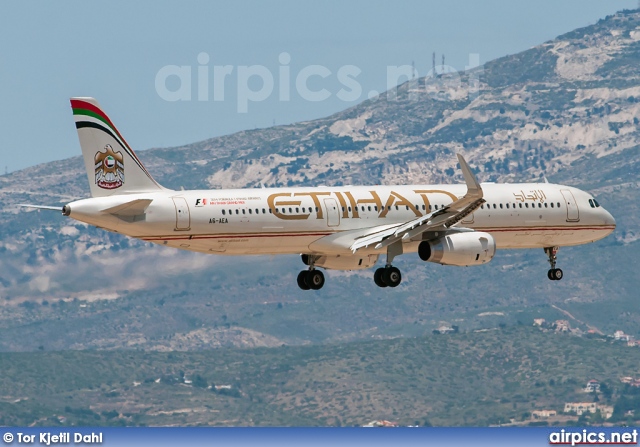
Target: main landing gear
x,y
311,279
389,276
553,274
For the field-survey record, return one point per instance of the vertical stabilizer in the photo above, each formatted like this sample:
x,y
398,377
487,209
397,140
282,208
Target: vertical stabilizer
x,y
112,166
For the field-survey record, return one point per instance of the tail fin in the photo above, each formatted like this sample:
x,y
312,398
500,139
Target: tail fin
x,y
107,156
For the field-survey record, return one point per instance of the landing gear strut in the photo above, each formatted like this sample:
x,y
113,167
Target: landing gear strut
x,y
310,279
389,276
553,274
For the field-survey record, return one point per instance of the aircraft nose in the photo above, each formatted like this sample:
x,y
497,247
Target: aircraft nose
x,y
608,218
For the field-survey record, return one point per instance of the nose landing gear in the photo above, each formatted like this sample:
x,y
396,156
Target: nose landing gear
x,y
554,274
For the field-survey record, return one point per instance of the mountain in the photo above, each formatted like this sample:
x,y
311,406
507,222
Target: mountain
x,y
476,379
567,109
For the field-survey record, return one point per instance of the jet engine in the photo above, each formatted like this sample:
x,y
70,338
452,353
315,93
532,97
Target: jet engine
x,y
462,249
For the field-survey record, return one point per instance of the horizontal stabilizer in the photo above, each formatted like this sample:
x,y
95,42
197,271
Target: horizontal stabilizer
x,y
132,208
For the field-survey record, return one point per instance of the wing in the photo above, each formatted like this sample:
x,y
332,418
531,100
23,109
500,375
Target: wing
x,y
437,220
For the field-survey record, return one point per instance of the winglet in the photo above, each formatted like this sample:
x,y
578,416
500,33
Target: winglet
x,y
473,186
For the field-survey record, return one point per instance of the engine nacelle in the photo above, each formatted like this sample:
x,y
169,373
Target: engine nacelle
x,y
463,249
343,262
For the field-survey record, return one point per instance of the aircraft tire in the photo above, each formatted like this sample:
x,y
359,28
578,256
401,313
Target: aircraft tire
x,y
315,279
392,276
377,278
302,280
558,274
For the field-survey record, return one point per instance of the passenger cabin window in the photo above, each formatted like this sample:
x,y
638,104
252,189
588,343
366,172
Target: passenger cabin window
x,y
494,206
223,212
244,211
507,206
237,211
519,205
501,206
551,204
558,204
250,211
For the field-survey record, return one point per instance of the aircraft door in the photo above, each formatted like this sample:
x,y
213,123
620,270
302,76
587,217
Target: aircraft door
x,y
333,215
573,214
183,217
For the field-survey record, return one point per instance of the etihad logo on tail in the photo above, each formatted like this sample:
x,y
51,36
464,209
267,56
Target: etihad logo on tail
x,y
109,167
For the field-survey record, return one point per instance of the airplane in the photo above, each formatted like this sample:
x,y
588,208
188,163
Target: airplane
x,y
331,227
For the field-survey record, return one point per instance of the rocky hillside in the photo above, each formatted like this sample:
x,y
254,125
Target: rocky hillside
x,y
567,109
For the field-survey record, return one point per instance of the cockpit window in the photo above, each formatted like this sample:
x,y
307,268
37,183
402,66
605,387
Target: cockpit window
x,y
596,203
591,203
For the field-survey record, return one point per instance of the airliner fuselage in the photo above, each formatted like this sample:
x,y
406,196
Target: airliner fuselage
x,y
295,220
343,228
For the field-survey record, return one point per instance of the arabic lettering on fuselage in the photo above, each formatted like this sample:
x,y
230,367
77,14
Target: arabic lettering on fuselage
x,y
535,195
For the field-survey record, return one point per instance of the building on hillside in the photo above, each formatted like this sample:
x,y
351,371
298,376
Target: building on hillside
x,y
562,326
381,424
444,329
621,336
627,379
543,414
606,411
581,408
539,321
592,386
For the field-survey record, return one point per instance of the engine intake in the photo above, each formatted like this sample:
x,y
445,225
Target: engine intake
x,y
462,249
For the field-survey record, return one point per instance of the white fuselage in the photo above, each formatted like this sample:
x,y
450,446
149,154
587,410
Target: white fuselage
x,y
295,220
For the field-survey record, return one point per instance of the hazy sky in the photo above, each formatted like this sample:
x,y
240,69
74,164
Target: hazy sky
x,y
121,51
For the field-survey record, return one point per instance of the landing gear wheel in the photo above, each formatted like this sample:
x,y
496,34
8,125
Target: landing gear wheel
x,y
315,279
391,276
556,274
302,280
377,278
